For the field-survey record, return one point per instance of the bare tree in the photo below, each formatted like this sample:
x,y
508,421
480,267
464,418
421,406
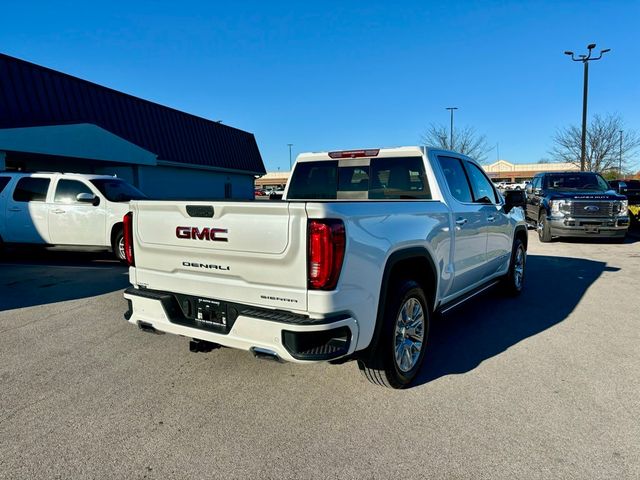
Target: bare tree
x,y
602,144
465,140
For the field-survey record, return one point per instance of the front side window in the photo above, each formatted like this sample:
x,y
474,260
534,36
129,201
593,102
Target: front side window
x,y
483,192
67,191
116,190
456,179
30,189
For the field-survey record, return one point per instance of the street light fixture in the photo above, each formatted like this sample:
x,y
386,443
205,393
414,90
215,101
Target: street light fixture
x,y
451,109
585,59
290,145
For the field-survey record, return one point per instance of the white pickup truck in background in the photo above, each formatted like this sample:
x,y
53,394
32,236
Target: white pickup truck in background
x,y
365,248
70,209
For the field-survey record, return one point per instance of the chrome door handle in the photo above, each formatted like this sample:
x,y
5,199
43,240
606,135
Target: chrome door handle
x,y
14,209
57,210
491,218
461,221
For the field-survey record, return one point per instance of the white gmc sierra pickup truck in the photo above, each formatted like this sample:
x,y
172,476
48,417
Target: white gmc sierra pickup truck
x,y
366,246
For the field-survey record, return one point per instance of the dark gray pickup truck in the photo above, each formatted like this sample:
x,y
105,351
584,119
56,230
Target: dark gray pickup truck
x,y
576,204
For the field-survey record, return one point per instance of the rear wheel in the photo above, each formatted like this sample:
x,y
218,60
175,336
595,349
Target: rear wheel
x,y
398,356
118,246
544,229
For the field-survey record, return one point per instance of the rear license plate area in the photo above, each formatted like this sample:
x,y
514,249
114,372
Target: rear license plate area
x,y
205,313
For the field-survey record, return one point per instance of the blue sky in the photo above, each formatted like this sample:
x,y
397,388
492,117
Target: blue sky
x,y
333,75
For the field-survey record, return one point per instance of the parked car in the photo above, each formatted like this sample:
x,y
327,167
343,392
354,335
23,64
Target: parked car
x,y
518,185
276,194
64,209
628,188
576,204
367,246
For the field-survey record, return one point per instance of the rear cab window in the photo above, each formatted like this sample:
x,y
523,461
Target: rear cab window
x,y
31,189
383,178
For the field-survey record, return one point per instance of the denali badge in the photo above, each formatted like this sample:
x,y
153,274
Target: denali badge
x,y
208,266
592,208
206,233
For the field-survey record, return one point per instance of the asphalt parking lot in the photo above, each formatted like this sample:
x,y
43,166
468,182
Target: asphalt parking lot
x,y
543,386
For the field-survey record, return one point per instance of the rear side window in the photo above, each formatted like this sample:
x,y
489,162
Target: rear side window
x,y
3,182
400,178
456,179
68,190
31,189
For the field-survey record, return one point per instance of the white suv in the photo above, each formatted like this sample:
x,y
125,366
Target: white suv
x,y
64,209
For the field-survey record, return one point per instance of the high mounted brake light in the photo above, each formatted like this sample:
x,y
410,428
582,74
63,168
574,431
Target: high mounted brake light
x,y
326,243
355,153
127,233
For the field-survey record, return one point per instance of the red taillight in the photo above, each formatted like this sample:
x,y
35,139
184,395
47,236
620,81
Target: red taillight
x,y
355,153
128,239
326,252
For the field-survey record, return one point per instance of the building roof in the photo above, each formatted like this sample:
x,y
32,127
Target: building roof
x,y
503,166
32,95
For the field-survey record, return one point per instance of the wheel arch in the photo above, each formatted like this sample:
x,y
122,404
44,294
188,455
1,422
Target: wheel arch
x,y
521,233
415,263
114,230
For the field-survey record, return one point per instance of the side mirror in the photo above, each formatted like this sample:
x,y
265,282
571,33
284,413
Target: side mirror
x,y
514,198
528,188
88,198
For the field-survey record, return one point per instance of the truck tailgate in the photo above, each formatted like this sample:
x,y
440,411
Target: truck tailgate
x,y
246,252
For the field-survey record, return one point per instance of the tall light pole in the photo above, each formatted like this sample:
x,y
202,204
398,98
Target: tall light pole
x,y
290,145
451,109
620,156
585,59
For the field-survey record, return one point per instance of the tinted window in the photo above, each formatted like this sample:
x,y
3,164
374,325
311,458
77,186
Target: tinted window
x,y
385,178
481,186
575,181
456,178
314,180
31,189
537,182
116,190
353,179
398,178
68,190
3,182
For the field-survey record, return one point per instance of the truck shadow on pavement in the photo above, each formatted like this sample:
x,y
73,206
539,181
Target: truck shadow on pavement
x,y
39,277
488,325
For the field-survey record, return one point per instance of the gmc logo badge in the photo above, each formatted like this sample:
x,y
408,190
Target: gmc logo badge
x,y
206,233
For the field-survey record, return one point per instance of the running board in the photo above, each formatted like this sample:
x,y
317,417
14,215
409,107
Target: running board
x,y
459,301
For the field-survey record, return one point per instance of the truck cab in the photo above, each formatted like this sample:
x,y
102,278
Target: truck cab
x,y
64,209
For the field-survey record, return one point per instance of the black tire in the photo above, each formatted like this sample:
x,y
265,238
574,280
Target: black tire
x,y
118,242
544,230
381,367
513,283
